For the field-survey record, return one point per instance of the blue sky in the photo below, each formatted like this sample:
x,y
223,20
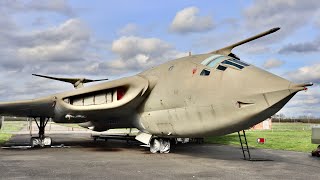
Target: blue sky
x,y
99,39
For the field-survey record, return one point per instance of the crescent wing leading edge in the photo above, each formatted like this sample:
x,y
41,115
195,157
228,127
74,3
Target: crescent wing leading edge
x,y
42,107
97,101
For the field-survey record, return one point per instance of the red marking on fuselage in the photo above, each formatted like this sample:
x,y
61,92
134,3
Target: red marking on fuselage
x,y
194,70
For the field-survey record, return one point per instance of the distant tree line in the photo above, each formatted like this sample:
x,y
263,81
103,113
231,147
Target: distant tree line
x,y
301,119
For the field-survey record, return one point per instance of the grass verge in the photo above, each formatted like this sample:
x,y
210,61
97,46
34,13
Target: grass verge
x,y
283,136
8,128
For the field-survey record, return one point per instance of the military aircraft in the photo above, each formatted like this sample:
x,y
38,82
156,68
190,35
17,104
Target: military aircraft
x,y
194,96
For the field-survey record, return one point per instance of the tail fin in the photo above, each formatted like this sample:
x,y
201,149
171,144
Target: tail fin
x,y
76,82
227,50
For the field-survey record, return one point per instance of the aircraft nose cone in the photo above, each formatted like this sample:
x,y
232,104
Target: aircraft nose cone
x,y
270,87
261,81
299,87
266,94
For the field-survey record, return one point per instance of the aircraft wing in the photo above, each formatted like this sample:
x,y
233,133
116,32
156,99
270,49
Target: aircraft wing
x,y
109,99
42,107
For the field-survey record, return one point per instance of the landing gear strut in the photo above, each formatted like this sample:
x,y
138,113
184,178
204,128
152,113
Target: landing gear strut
x,y
41,141
161,145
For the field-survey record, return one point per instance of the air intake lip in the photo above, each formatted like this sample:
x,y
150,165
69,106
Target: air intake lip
x,y
241,104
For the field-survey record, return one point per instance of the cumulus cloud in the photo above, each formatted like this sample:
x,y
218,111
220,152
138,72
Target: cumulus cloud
x,y
60,6
61,50
128,46
137,53
305,47
289,14
129,29
57,6
188,20
63,43
305,74
304,103
272,63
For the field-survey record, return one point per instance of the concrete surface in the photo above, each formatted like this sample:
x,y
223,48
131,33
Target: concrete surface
x,y
81,158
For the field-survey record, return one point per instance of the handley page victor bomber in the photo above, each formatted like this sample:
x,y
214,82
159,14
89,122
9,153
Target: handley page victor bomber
x,y
194,96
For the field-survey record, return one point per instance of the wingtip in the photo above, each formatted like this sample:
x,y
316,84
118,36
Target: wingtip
x,y
275,29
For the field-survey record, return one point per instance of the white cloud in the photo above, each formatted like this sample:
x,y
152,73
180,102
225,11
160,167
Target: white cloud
x,y
138,53
289,14
305,47
129,29
304,103
129,46
63,43
57,6
306,74
60,6
188,20
272,63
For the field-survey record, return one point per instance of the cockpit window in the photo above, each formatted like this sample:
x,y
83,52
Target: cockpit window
x,y
210,59
205,72
221,68
215,60
227,62
239,62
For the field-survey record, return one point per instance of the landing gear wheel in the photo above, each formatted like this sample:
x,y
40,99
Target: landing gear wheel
x,y
34,142
161,145
41,141
154,146
47,141
38,142
164,145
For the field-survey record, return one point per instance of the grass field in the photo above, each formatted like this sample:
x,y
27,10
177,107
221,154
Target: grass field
x,y
73,125
8,128
283,136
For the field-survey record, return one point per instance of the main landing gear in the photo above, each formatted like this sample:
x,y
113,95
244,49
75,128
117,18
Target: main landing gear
x,y
41,141
161,145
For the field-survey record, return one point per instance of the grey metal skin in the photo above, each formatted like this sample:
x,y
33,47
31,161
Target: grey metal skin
x,y
172,100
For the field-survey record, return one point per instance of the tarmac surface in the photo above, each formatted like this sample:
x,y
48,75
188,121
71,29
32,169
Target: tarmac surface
x,y
81,158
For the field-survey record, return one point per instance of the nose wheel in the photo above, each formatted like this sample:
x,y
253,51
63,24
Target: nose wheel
x,y
161,145
41,140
